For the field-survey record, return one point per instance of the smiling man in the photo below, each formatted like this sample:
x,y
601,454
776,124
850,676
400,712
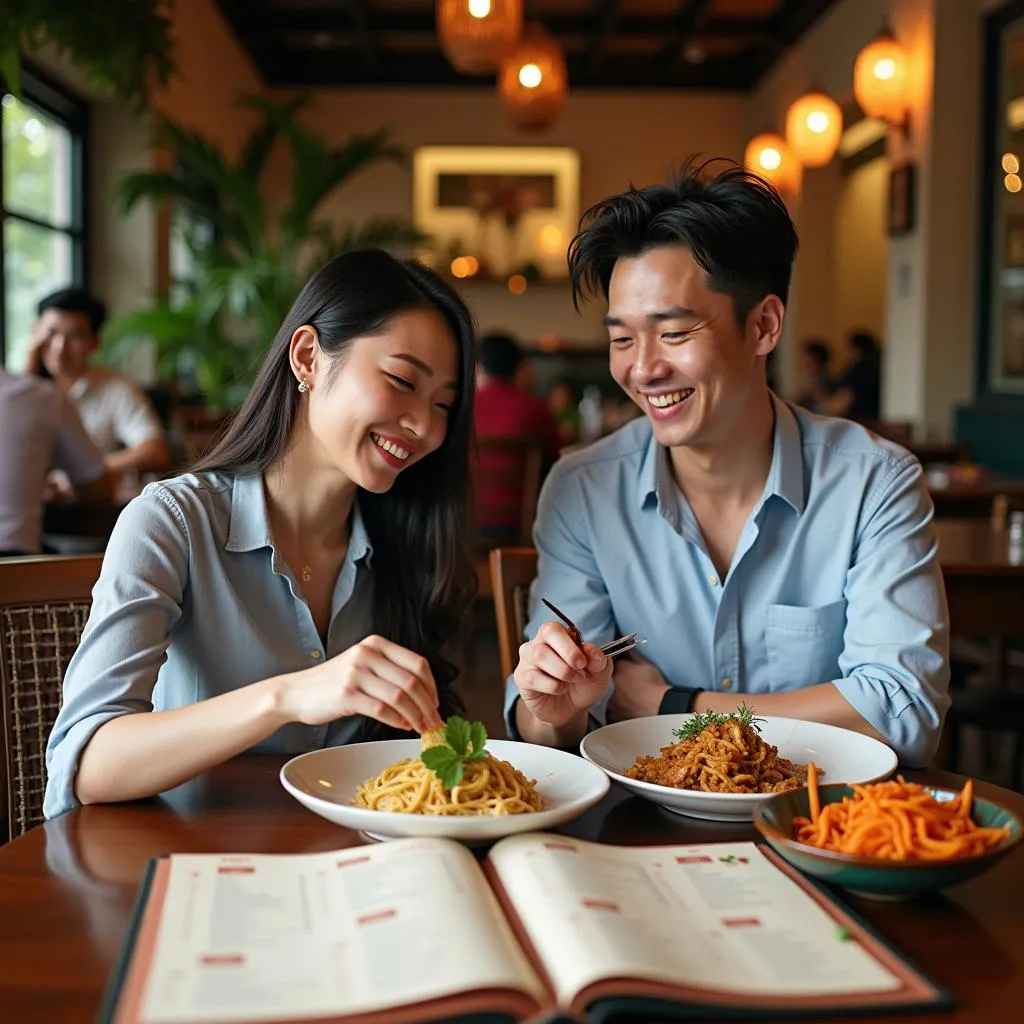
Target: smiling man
x,y
771,556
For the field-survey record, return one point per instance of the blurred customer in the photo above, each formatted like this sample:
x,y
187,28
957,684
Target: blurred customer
x,y
504,410
116,414
40,431
564,406
857,394
816,368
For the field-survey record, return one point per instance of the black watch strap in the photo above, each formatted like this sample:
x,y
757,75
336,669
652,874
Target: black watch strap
x,y
678,700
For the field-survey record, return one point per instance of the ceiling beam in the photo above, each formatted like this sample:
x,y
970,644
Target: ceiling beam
x,y
681,29
370,55
606,13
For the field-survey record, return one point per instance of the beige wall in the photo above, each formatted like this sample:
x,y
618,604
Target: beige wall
x,y
621,138
861,251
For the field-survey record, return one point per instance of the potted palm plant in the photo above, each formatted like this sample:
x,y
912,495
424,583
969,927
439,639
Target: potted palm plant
x,y
254,259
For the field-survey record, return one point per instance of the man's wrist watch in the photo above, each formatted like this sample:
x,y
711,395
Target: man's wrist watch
x,y
678,700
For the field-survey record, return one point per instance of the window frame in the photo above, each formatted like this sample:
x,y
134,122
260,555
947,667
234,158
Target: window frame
x,y
72,112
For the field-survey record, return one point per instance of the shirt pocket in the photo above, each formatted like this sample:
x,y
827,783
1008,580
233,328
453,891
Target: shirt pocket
x,y
804,644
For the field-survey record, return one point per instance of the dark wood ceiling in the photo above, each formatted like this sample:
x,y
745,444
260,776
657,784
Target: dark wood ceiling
x,y
620,44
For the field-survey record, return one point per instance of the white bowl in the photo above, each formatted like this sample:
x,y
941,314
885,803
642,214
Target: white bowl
x,y
842,756
325,781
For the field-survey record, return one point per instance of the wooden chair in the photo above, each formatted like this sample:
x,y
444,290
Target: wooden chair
x,y
506,484
44,603
512,572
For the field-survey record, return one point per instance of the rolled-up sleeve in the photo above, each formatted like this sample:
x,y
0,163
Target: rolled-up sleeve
x,y
567,573
895,660
136,604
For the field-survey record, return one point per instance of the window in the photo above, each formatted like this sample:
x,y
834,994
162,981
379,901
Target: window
x,y
42,205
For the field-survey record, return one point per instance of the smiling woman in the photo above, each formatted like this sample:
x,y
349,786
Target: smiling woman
x,y
300,587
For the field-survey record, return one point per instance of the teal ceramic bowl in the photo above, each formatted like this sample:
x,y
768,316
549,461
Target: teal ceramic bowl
x,y
873,876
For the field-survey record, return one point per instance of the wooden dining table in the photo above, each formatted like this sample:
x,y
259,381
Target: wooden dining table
x,y
67,888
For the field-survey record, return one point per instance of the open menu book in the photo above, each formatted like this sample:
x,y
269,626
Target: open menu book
x,y
415,930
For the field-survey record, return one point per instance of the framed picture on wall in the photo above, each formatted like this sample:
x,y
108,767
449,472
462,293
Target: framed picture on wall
x,y
501,210
902,180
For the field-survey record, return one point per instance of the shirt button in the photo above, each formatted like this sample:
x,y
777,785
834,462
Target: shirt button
x,y
713,581
315,655
726,683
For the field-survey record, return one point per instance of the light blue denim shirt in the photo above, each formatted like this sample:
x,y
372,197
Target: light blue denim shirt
x,y
835,579
193,600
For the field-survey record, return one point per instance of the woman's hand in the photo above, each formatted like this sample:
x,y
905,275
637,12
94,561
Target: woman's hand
x,y
375,678
556,679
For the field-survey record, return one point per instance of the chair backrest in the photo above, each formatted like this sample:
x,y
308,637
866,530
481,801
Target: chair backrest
x,y
512,572
506,484
44,604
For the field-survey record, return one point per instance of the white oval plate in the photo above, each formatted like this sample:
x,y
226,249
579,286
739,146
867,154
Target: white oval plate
x,y
842,755
325,781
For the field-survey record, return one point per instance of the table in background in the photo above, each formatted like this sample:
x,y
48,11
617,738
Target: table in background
x,y
68,887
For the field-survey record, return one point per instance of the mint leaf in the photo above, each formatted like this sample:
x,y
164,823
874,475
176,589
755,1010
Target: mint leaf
x,y
478,741
457,733
445,764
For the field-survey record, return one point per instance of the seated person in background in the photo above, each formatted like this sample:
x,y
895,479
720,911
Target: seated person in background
x,y
305,586
565,407
816,359
770,556
117,415
857,393
40,431
505,409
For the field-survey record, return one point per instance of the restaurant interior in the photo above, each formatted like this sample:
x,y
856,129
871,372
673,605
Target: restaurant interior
x,y
191,163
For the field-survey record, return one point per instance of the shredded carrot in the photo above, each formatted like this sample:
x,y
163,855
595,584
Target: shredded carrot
x,y
895,820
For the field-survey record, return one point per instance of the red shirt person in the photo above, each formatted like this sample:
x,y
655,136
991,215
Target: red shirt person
x,y
504,409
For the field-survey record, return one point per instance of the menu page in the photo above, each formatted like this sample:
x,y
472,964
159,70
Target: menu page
x,y
264,938
716,916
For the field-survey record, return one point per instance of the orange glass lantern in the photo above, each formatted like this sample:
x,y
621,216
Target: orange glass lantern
x,y
814,125
533,79
768,156
880,79
476,34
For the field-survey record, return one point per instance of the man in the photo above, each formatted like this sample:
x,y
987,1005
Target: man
x,y
40,431
857,392
770,556
117,416
503,408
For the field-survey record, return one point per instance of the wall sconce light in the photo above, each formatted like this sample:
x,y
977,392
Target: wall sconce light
x,y
814,126
880,80
768,156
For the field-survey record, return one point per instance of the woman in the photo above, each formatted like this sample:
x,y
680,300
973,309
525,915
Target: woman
x,y
300,587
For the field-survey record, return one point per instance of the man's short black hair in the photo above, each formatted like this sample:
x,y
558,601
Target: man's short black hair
x,y
500,355
864,343
734,223
76,300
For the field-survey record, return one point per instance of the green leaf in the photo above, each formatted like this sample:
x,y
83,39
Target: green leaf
x,y
457,735
445,764
693,727
478,741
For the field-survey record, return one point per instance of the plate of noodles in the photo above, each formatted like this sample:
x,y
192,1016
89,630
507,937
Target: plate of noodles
x,y
721,767
453,782
889,840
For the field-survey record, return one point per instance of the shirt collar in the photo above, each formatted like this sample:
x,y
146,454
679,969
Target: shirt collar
x,y
250,522
785,478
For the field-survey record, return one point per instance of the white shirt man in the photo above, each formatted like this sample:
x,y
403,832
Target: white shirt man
x,y
40,431
115,412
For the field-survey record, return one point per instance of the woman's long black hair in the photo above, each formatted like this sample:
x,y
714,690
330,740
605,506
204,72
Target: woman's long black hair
x,y
424,581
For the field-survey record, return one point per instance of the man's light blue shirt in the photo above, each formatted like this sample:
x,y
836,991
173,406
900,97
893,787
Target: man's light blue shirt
x,y
193,601
835,578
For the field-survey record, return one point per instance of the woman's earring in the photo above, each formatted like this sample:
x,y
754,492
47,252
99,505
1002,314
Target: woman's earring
x,y
303,387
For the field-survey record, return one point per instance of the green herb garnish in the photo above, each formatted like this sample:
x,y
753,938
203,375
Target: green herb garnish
x,y
696,725
462,742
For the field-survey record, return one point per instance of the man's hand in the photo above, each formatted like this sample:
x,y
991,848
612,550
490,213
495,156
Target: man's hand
x,y
637,691
38,341
556,679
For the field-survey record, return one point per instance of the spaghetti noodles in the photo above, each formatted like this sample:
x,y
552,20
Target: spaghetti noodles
x,y
896,820
488,787
726,755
